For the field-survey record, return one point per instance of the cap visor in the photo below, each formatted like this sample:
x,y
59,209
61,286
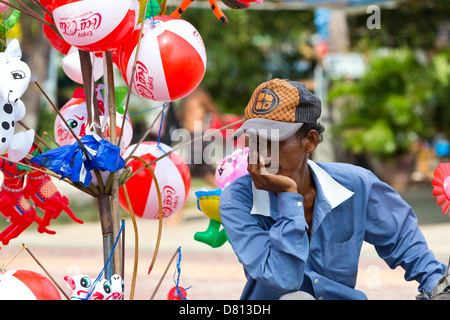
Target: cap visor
x,y
268,129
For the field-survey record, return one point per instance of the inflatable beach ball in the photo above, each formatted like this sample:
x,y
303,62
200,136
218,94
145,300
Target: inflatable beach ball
x,y
26,285
95,25
171,61
173,177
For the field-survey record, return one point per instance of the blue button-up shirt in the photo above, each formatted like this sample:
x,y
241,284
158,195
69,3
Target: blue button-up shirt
x,y
268,233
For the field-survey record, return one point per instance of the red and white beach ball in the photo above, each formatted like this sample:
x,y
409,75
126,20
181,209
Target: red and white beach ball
x,y
55,40
172,174
26,285
95,25
171,61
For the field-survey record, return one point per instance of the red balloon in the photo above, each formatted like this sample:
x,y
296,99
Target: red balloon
x,y
95,25
55,40
26,285
171,61
172,174
173,294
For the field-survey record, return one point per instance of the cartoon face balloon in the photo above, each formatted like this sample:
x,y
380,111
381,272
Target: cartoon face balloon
x,y
232,167
80,284
108,290
75,113
95,25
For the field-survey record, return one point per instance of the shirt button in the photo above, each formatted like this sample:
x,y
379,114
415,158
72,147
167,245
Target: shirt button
x,y
320,298
299,204
316,280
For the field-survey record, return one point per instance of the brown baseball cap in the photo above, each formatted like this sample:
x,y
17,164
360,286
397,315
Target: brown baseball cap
x,y
278,108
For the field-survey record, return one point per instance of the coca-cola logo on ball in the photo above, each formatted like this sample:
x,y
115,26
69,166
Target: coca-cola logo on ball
x,y
143,83
170,200
84,26
95,25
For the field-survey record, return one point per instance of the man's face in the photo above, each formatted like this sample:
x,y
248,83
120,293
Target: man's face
x,y
280,157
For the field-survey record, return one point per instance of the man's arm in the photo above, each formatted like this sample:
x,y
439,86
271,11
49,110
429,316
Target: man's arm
x,y
274,255
391,226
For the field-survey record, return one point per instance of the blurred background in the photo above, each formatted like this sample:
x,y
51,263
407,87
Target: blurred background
x,y
380,68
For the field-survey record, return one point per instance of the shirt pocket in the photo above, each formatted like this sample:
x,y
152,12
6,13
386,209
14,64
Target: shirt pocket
x,y
340,260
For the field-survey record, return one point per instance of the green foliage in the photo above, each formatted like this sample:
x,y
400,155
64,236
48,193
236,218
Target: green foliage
x,y
440,100
412,23
387,110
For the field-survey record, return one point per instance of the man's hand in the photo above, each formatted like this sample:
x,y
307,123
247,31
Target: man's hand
x,y
270,182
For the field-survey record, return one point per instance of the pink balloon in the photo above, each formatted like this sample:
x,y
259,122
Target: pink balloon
x,y
232,167
4,7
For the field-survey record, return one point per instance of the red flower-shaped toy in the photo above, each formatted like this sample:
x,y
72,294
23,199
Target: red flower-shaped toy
x,y
441,186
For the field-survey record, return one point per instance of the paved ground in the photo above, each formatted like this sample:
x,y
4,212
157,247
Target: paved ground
x,y
212,274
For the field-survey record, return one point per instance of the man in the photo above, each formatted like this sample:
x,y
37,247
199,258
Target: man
x,y
300,231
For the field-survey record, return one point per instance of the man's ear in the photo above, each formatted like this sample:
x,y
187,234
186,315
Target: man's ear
x,y
312,139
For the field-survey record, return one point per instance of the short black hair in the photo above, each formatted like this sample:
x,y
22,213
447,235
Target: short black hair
x,y
306,127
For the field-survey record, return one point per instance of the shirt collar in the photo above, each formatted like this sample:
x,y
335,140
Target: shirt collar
x,y
334,192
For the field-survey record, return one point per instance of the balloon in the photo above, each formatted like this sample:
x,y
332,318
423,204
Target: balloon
x,y
80,285
41,190
85,288
108,290
171,62
172,174
95,25
175,294
72,68
442,148
26,285
127,130
208,203
232,167
15,76
13,205
55,40
75,113
4,7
